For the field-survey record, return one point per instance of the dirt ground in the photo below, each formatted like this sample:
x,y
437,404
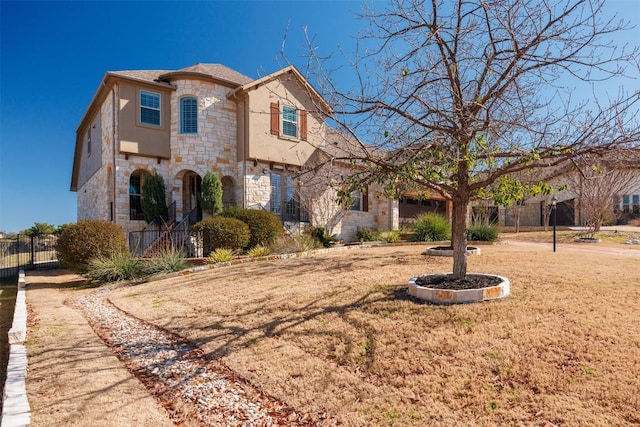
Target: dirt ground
x,y
336,333
73,378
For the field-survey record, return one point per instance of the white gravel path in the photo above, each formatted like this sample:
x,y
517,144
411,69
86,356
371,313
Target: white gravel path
x,y
181,378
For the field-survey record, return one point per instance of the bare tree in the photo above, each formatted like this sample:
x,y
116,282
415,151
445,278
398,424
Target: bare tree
x,y
596,182
453,95
319,181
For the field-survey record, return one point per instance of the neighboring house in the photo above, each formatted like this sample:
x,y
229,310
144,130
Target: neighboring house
x,y
621,192
257,135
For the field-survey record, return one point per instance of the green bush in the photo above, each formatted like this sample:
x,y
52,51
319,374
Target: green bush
x,y
265,226
366,234
432,227
89,239
220,232
483,232
221,255
389,236
211,193
321,236
258,251
154,199
166,261
114,267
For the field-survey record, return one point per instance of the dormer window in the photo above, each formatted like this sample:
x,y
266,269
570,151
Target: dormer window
x,y
149,108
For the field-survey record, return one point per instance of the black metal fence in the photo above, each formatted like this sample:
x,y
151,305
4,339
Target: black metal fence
x,y
27,253
147,243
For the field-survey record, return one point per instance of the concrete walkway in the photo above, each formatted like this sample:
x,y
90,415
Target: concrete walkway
x,y
73,378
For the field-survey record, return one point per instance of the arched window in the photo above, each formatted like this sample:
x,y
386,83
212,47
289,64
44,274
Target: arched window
x,y
189,115
135,195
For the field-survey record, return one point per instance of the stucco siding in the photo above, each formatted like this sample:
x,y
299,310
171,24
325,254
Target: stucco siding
x,y
137,137
262,145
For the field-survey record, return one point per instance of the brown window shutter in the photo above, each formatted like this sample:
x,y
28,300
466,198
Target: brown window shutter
x,y
303,125
365,200
275,118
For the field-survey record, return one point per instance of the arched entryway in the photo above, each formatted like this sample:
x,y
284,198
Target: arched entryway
x,y
228,192
191,183
136,182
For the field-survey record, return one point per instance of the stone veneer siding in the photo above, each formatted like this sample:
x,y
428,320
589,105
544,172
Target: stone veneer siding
x,y
95,194
213,148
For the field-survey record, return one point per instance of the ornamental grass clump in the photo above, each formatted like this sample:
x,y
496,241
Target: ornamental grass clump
x,y
366,234
115,267
432,228
323,237
221,255
482,232
166,261
258,251
294,244
391,236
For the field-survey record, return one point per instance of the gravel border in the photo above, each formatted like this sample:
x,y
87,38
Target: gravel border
x,y
180,377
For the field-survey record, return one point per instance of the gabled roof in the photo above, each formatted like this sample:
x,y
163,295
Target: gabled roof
x,y
216,72
291,70
146,76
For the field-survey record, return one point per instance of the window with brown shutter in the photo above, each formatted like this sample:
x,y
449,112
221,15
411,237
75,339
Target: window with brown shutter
x,y
303,125
275,118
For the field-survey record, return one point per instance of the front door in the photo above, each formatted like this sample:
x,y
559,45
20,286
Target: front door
x,y
191,197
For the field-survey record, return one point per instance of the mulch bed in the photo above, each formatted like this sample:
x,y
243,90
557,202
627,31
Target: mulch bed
x,y
447,281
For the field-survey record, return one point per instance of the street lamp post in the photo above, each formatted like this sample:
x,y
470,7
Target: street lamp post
x,y
554,202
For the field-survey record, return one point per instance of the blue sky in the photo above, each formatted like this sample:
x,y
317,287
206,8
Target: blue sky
x,y
53,55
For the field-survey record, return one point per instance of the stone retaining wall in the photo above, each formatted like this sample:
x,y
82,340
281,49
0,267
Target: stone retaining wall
x,y
15,410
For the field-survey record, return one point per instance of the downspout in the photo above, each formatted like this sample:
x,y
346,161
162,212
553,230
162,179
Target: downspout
x,y
245,141
113,149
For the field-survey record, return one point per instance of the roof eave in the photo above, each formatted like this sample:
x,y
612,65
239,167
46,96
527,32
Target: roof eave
x,y
324,105
200,76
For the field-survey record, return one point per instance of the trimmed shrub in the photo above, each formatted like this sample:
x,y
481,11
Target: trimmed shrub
x,y
166,261
84,240
321,236
366,234
115,267
221,232
211,193
432,227
258,251
221,255
483,232
265,226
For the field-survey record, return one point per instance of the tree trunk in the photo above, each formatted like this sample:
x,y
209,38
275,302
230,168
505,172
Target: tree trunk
x,y
459,237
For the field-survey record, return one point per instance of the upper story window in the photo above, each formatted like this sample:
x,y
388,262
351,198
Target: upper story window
x,y
289,121
89,142
150,108
189,115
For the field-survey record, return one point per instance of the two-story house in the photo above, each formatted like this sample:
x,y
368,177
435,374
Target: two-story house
x,y
256,134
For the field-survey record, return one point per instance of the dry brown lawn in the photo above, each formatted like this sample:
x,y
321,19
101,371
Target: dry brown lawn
x,y
336,333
